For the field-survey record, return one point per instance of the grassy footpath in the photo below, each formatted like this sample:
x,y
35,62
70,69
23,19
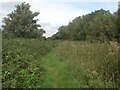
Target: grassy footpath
x,y
57,73
54,64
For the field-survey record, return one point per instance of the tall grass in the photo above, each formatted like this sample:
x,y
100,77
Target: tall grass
x,y
92,64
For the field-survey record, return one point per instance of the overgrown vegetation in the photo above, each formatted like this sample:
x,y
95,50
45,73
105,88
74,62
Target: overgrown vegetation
x,y
87,49
93,65
22,62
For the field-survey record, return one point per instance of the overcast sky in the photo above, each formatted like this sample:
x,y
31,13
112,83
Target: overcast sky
x,y
54,13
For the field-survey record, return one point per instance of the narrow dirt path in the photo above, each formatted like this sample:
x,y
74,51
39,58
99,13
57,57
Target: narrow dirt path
x,y
57,74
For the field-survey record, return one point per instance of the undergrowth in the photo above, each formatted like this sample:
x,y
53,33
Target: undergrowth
x,y
92,64
21,66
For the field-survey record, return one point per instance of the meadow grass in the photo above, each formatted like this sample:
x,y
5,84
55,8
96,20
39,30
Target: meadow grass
x,y
92,64
32,63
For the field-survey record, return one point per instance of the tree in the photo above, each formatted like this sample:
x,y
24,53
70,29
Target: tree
x,y
21,23
96,26
118,21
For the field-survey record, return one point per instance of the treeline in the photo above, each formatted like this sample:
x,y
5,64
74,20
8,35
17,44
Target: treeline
x,y
100,25
21,23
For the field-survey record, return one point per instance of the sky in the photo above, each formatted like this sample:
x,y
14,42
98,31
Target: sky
x,y
55,13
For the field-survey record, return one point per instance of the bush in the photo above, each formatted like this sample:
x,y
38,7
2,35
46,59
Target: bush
x,y
22,62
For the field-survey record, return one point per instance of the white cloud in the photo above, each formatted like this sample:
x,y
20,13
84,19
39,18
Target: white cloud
x,y
56,14
60,0
5,8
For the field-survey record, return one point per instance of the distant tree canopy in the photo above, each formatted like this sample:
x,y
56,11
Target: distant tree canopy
x,y
21,23
99,25
118,22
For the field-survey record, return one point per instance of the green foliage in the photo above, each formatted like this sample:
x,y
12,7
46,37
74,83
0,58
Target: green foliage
x,y
96,26
22,62
87,64
21,23
72,64
118,22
